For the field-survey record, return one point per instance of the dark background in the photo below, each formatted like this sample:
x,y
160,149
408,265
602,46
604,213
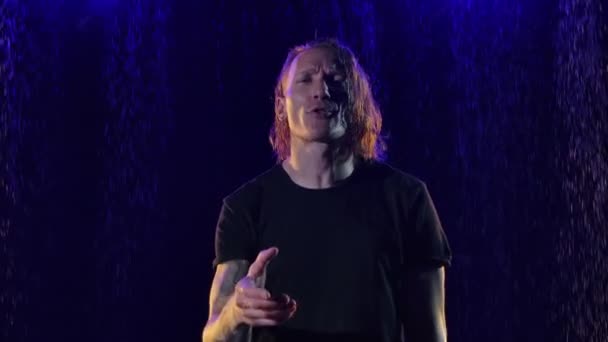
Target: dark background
x,y
124,123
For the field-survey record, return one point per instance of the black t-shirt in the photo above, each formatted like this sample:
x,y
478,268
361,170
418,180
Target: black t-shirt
x,y
342,250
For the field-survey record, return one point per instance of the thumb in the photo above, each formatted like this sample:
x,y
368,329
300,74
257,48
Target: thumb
x,y
257,268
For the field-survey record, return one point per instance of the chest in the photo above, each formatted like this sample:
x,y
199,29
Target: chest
x,y
324,237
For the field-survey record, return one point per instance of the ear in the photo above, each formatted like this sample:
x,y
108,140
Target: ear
x,y
279,108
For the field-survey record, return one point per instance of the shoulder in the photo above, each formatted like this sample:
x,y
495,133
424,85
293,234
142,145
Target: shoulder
x,y
253,189
396,180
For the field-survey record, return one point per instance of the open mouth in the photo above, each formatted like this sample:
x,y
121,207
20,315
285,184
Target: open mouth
x,y
324,112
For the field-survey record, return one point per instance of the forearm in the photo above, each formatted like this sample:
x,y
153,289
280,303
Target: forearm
x,y
425,332
224,328
423,311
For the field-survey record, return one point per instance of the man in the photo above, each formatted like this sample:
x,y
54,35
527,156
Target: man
x,y
330,244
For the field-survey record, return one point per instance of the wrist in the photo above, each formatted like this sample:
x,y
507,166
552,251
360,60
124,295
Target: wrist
x,y
230,315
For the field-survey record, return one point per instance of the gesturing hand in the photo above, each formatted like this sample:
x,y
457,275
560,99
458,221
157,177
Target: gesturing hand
x,y
255,306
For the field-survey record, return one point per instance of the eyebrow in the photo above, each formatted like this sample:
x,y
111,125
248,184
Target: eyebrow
x,y
313,69
308,70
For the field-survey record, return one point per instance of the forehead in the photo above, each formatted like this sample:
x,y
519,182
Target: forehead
x,y
316,58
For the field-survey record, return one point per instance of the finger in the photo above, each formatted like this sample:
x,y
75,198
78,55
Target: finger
x,y
262,322
291,310
246,282
257,268
283,298
260,304
292,307
253,293
277,315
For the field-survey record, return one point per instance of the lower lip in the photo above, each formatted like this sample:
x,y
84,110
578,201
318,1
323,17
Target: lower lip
x,y
326,115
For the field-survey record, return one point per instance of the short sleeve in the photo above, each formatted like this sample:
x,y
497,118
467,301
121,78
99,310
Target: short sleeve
x,y
234,237
426,243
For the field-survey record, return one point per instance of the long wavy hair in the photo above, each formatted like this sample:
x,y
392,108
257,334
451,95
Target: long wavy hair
x,y
363,117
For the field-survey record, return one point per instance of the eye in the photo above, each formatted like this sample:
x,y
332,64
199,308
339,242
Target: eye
x,y
335,78
305,79
335,81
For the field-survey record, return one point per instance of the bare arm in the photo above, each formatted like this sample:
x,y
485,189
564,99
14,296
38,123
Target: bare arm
x,y
423,305
232,312
221,325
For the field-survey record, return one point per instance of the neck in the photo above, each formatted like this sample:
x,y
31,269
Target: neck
x,y
317,165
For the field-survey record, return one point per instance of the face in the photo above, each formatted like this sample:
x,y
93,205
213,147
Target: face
x,y
315,97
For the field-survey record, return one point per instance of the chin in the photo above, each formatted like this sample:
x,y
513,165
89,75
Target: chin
x,y
324,134
324,137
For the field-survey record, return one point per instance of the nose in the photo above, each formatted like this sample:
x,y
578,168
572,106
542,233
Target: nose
x,y
321,90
